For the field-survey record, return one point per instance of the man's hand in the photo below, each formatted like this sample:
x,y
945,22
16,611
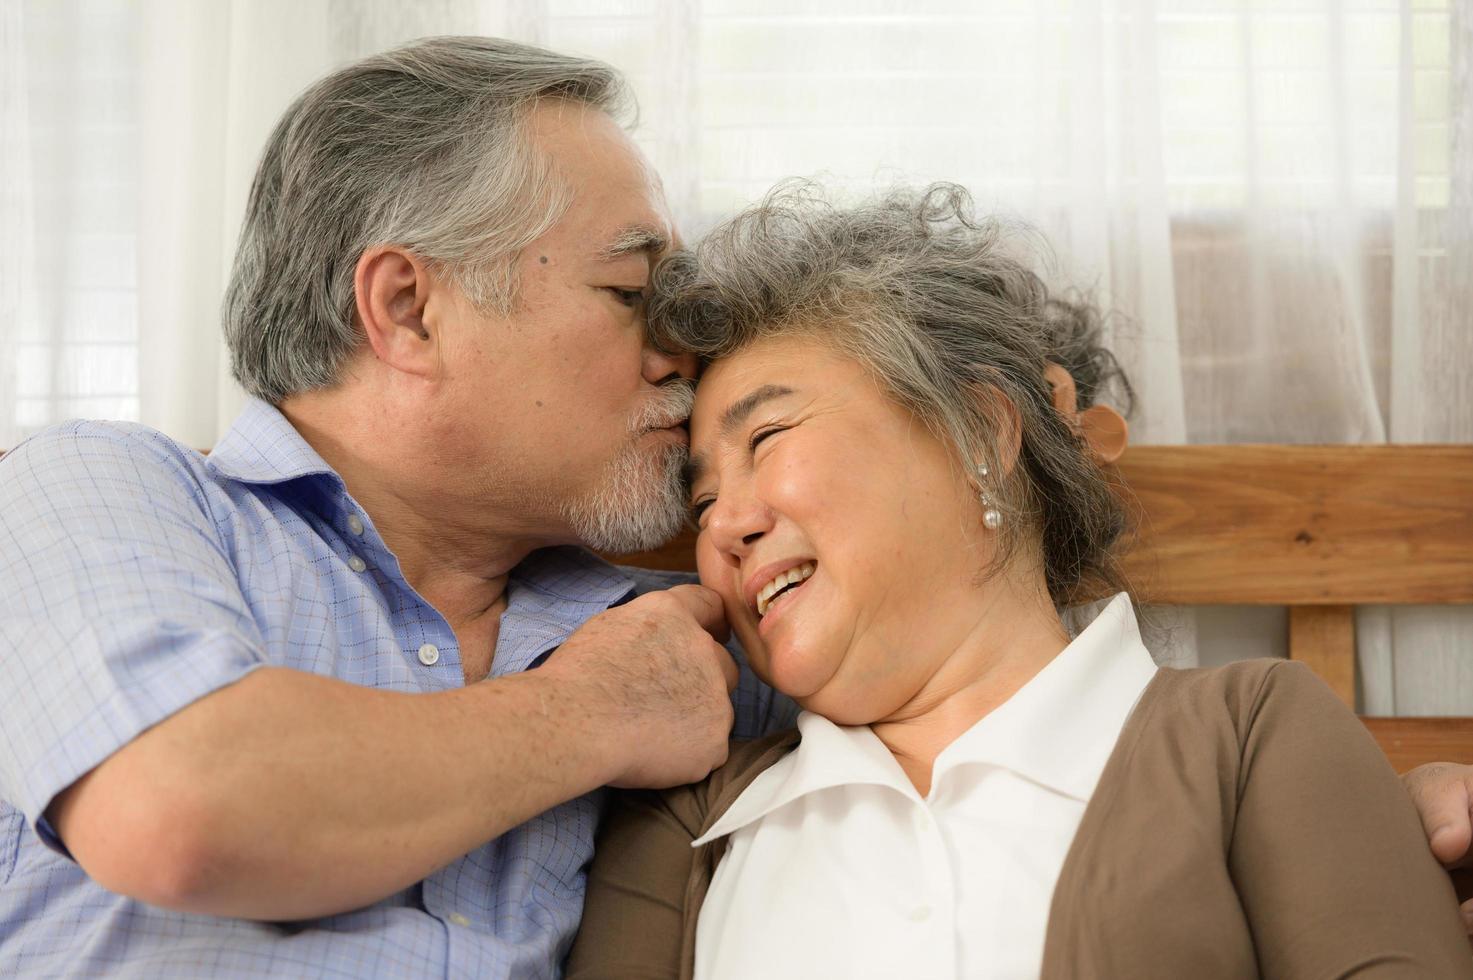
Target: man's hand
x,y
1443,793
659,681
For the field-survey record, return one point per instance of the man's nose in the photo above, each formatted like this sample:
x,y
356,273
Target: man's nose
x,y
660,367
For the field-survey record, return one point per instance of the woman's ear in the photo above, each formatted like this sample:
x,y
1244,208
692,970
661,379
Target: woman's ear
x,y
1102,428
1006,424
392,288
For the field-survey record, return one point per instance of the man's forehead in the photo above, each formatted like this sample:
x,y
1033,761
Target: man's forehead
x,y
618,197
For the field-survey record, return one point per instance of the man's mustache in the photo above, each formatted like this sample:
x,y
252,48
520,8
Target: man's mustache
x,y
670,406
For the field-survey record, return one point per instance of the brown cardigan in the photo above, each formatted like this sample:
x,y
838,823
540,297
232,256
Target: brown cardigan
x,y
1245,825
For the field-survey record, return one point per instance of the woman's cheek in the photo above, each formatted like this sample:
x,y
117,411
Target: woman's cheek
x,y
718,576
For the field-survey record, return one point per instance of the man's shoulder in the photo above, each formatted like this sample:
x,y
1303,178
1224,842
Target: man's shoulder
x,y
97,450
655,579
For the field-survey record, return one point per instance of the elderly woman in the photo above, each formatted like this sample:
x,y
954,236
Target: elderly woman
x,y
893,510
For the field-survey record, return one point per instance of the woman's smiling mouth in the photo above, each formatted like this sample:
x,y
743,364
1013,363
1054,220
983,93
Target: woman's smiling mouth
x,y
782,583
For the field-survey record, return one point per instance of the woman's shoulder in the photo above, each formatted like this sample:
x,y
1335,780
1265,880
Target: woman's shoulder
x,y
1248,704
698,805
1242,687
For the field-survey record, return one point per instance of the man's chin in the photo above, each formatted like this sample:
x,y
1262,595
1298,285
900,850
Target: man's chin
x,y
640,504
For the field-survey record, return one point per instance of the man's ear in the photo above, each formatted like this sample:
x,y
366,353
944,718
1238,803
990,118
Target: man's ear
x,y
1103,429
392,288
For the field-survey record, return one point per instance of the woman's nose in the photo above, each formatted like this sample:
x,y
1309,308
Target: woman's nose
x,y
736,522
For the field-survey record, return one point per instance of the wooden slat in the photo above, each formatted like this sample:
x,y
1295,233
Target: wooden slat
x,y
1284,525
1302,525
1411,742
1323,637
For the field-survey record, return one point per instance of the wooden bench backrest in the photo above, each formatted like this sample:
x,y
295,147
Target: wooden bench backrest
x,y
1320,529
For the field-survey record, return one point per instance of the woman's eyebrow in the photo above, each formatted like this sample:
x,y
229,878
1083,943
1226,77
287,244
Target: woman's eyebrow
x,y
736,413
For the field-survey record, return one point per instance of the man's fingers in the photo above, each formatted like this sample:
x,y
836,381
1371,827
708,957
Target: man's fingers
x,y
1441,793
705,606
1467,909
728,667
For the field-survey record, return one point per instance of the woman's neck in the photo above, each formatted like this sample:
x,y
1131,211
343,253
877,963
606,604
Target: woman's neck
x,y
1016,634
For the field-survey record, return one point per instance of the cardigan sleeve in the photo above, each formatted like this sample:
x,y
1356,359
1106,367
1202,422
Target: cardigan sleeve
x,y
634,911
1327,854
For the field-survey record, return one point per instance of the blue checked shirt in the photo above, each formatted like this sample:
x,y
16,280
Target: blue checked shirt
x,y
137,576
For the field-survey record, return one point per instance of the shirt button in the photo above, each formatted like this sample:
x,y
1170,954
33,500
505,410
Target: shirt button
x,y
920,913
357,564
429,655
355,524
459,920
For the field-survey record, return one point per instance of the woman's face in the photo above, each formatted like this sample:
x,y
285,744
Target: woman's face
x,y
802,466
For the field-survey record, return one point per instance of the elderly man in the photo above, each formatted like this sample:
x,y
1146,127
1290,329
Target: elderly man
x,y
274,711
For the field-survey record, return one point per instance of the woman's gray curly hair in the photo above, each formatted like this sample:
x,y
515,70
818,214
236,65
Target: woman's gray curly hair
x,y
926,298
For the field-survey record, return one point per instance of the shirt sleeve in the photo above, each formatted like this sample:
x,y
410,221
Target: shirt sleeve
x,y
634,912
1327,853
118,603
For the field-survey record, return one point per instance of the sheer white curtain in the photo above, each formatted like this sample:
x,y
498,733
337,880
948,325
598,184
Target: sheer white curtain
x,y
1276,194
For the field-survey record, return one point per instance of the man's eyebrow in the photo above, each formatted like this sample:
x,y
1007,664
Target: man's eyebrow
x,y
736,413
631,241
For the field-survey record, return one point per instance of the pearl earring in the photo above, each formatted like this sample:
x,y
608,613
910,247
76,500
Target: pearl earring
x,y
991,517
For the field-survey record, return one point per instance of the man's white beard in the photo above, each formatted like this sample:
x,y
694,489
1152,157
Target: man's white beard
x,y
640,501
638,505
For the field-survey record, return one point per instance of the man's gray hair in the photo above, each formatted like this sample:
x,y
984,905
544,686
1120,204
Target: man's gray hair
x,y
424,147
928,299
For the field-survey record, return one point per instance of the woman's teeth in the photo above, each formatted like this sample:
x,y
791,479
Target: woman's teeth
x,y
769,591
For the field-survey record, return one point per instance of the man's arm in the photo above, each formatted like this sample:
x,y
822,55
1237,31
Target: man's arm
x,y
287,795
145,722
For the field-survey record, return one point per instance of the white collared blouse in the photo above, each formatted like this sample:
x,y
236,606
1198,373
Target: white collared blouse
x,y
837,867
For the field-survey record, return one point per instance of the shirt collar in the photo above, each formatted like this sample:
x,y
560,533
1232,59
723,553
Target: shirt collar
x,y
573,574
828,755
551,593
1060,728
1057,730
263,447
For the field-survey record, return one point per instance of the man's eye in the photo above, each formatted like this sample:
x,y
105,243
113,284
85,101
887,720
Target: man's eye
x,y
631,298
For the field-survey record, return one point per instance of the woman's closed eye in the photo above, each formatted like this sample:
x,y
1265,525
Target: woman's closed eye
x,y
699,507
759,435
